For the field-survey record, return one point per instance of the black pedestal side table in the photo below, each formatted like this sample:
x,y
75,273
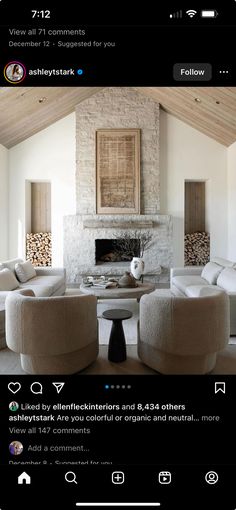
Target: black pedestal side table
x,y
117,345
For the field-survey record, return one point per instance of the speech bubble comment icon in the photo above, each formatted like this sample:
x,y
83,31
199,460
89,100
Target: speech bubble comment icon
x,y
36,388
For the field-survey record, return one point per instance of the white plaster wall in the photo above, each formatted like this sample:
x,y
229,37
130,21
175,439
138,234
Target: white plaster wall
x,y
232,201
185,153
3,203
49,156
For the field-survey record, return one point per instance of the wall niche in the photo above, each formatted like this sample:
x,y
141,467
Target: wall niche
x,y
196,239
38,223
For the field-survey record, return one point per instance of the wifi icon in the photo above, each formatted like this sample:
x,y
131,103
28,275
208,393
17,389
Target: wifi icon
x,y
191,13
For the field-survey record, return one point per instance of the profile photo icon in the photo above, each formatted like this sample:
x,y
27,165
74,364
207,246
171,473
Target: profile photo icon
x,y
15,447
14,72
13,406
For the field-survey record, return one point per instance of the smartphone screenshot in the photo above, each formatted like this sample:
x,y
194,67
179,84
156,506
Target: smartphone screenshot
x,y
117,257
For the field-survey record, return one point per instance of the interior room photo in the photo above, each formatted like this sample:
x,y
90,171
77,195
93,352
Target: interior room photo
x,y
117,228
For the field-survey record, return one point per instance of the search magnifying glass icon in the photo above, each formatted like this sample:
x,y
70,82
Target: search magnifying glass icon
x,y
70,477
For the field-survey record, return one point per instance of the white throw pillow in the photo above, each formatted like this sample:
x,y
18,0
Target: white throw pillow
x,y
203,290
227,279
211,272
222,262
10,264
8,280
25,271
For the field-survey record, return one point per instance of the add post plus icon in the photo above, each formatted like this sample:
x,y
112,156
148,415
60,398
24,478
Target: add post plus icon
x,y
118,477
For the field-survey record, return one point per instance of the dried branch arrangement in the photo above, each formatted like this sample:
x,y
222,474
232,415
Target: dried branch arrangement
x,y
133,246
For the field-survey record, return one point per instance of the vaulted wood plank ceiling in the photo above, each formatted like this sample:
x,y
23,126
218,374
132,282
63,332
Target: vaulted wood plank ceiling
x,y
211,110
25,111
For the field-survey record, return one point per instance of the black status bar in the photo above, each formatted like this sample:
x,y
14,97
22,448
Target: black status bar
x,y
106,14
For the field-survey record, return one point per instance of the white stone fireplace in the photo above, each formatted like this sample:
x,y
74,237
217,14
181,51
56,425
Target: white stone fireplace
x,y
116,108
81,233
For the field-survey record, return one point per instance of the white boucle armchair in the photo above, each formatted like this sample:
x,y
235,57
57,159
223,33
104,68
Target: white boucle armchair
x,y
54,335
180,335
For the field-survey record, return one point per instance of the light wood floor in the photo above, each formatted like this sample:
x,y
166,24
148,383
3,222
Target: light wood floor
x,y
226,363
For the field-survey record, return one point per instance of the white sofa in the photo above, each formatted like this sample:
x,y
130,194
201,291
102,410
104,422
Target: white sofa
x,y
49,281
195,281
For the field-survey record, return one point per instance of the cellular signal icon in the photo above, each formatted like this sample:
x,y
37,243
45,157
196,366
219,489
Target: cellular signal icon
x,y
176,15
191,13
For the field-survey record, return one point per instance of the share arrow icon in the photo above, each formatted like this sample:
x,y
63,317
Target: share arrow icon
x,y
58,386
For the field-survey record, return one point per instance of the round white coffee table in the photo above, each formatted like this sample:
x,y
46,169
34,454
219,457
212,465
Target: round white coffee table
x,y
119,292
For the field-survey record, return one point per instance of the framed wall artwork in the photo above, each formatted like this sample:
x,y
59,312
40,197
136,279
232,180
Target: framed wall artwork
x,y
118,171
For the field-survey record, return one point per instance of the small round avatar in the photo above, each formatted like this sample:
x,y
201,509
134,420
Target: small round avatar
x,y
15,448
14,72
13,406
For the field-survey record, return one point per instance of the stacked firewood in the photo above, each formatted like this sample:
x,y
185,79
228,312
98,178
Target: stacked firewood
x,y
196,249
39,248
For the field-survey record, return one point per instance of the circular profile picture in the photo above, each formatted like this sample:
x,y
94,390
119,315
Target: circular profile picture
x,y
14,72
13,406
16,447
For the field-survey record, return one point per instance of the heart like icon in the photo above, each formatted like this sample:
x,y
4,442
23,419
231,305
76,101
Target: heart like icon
x,y
14,387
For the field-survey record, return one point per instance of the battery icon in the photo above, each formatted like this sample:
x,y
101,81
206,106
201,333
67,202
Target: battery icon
x,y
209,14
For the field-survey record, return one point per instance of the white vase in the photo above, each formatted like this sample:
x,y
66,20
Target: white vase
x,y
137,267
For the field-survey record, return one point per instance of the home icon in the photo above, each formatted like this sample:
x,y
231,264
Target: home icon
x,y
24,479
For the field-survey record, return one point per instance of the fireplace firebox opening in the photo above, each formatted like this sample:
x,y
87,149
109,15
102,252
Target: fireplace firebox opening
x,y
115,250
